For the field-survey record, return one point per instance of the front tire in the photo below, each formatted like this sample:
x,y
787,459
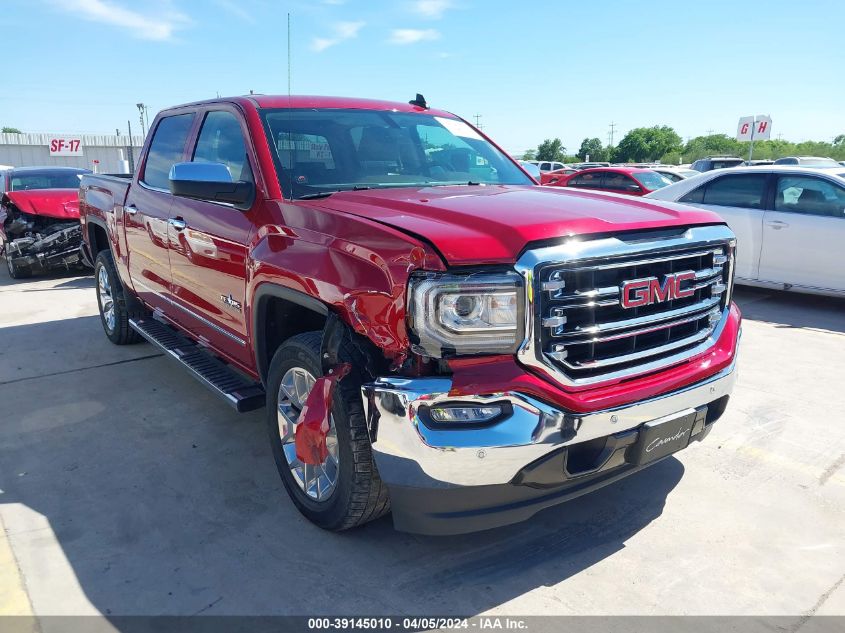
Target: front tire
x,y
345,490
111,299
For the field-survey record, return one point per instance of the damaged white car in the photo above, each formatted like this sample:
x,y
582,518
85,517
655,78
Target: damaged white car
x,y
39,219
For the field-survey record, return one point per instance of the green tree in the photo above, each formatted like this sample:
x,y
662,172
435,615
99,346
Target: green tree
x,y
11,130
592,147
839,140
551,150
647,144
530,154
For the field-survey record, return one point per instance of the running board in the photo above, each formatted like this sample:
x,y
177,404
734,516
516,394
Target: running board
x,y
241,394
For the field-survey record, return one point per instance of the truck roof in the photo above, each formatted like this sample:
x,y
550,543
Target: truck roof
x,y
317,101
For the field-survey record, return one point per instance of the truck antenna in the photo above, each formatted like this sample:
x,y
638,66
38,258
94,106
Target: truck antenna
x,y
419,102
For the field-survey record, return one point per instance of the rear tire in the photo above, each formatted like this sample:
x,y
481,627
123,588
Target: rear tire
x,y
111,300
358,495
17,271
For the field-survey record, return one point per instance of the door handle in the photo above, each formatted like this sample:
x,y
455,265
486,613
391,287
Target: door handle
x,y
177,223
131,209
777,224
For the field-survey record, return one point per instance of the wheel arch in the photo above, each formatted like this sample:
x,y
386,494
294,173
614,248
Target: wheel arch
x,y
279,313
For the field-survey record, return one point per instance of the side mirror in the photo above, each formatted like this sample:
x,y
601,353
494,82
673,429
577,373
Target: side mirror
x,y
212,182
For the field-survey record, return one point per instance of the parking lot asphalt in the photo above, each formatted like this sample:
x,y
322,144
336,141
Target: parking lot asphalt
x,y
127,488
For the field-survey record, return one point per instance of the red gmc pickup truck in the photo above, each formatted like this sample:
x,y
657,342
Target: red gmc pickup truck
x,y
432,332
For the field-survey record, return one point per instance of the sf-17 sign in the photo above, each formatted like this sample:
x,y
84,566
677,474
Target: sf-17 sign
x,y
65,146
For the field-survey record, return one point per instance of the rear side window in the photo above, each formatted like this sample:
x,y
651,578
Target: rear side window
x,y
166,148
590,180
745,191
221,141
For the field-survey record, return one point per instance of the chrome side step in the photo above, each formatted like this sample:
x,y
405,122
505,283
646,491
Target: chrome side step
x,y
239,392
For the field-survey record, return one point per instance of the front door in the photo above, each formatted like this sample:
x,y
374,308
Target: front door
x,y
147,212
209,246
804,234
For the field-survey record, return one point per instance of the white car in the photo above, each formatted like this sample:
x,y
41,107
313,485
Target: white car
x,y
789,222
546,165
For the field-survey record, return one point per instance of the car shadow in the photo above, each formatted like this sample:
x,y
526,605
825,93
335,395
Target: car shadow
x,y
163,501
790,309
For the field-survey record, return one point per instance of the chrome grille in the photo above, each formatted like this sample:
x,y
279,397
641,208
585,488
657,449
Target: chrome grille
x,y
583,333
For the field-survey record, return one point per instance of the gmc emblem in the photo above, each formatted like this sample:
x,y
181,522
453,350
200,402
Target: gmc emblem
x,y
642,292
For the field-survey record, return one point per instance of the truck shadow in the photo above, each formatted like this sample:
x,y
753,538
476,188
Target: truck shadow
x,y
138,487
790,309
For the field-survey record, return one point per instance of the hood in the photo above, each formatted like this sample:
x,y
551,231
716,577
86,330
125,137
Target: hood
x,y
51,203
494,224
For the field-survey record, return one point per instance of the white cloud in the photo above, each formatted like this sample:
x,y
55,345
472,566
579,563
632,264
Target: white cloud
x,y
433,9
342,31
236,10
412,36
161,27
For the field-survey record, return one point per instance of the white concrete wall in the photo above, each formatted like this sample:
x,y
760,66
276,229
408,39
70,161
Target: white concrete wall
x,y
32,149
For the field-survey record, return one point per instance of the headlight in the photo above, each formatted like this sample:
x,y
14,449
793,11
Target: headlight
x,y
466,314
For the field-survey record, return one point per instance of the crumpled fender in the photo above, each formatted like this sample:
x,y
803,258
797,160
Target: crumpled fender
x,y
52,203
314,419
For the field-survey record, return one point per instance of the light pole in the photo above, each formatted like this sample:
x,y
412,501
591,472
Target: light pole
x,y
142,113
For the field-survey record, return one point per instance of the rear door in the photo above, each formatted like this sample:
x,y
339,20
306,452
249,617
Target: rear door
x,y
209,243
147,207
740,200
804,233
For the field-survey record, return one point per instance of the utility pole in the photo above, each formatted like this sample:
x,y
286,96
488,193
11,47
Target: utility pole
x,y
710,132
142,114
129,152
477,118
611,134
288,56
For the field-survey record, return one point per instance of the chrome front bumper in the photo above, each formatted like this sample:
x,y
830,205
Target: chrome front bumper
x,y
411,454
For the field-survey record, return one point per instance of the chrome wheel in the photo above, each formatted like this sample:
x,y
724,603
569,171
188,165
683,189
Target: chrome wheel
x,y
106,300
318,482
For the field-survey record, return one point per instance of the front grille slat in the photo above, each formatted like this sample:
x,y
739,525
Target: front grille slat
x,y
585,332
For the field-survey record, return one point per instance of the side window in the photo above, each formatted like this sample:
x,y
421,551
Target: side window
x,y
813,196
619,182
745,191
696,196
221,141
166,149
590,180
545,166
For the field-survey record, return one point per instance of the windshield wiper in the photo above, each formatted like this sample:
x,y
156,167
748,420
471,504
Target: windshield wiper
x,y
326,194
314,196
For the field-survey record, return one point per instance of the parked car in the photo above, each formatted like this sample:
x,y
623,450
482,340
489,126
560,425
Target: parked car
x,y
39,219
431,331
674,174
551,177
580,166
789,222
631,181
546,166
531,168
716,162
808,161
758,163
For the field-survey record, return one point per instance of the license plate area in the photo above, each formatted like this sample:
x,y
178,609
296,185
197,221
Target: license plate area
x,y
664,436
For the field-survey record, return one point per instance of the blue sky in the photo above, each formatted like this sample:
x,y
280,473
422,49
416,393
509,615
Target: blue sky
x,y
533,69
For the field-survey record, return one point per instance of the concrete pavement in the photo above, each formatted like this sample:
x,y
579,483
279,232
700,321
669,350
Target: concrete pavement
x,y
128,489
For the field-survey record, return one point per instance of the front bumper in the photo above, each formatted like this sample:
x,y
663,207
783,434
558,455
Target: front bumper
x,y
446,481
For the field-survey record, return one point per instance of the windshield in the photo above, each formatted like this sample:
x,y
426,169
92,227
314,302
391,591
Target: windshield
x,y
318,151
652,180
45,180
